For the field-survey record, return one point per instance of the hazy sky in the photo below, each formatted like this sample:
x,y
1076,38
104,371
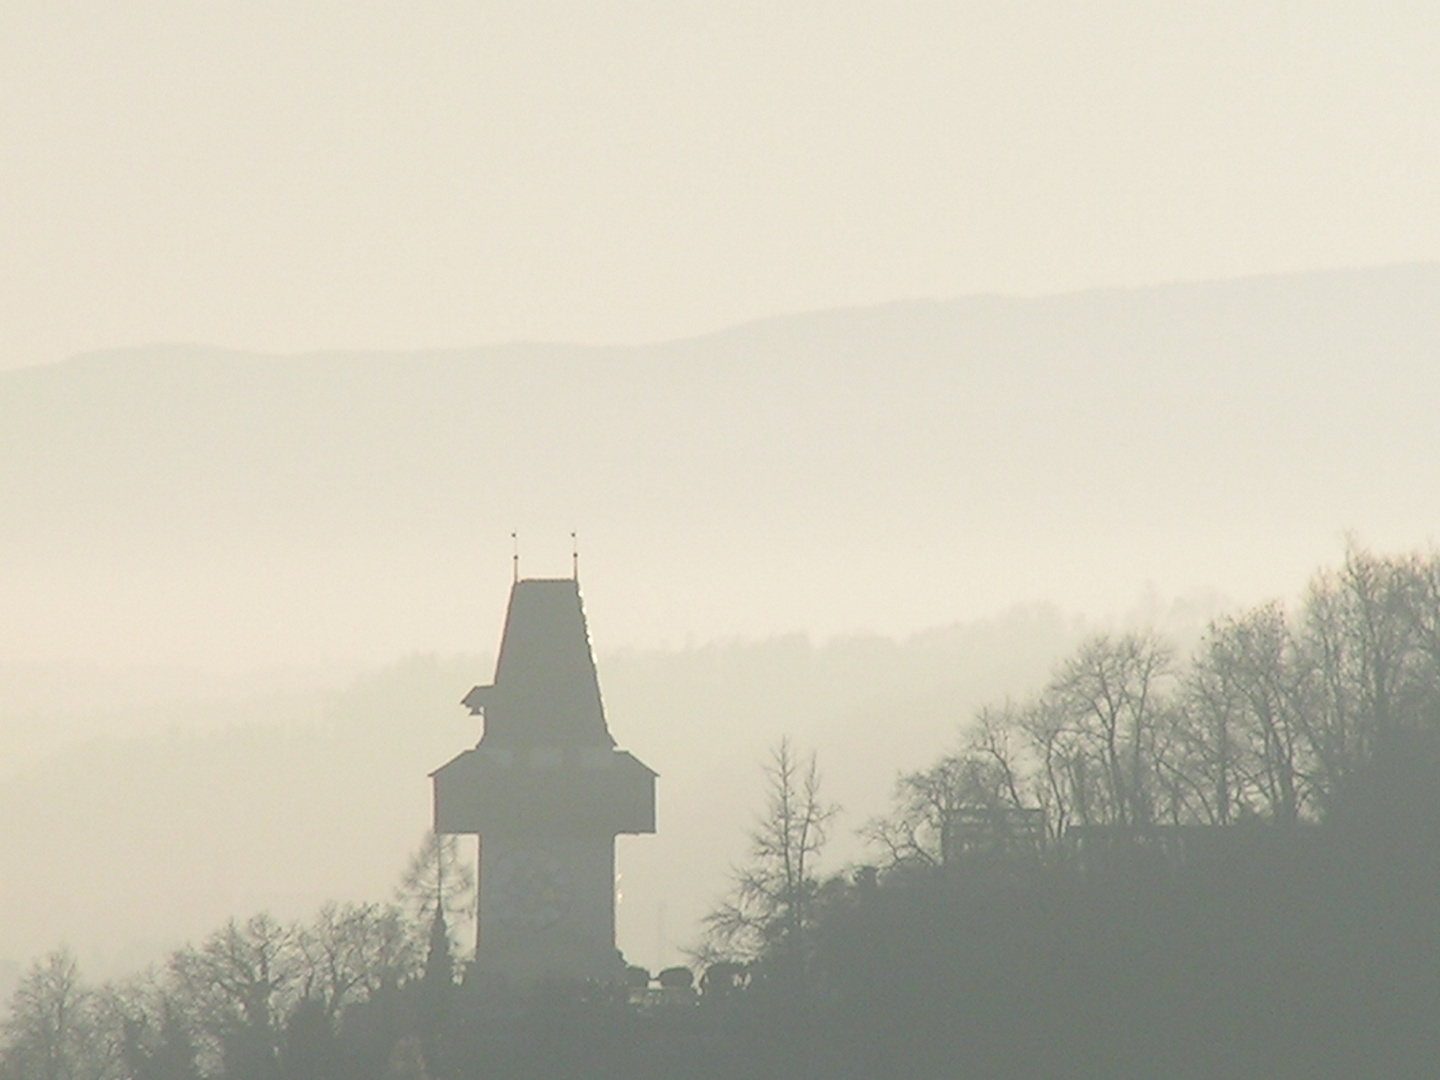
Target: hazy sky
x,y
300,175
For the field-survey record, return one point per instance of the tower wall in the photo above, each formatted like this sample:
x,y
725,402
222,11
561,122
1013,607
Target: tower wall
x,y
547,792
547,907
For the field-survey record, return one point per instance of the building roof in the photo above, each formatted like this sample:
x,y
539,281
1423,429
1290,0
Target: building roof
x,y
545,692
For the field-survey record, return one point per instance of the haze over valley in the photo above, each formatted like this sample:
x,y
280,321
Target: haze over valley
x,y
257,587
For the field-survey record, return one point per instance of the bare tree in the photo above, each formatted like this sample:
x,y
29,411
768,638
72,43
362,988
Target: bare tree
x,y
1424,611
240,984
157,1042
770,914
913,834
988,773
1246,698
352,951
1105,714
54,1031
1360,634
1062,781
438,886
146,1019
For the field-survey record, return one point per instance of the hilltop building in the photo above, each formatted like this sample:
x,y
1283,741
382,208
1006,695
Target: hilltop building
x,y
546,791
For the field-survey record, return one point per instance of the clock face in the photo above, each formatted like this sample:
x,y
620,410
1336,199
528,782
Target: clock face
x,y
530,889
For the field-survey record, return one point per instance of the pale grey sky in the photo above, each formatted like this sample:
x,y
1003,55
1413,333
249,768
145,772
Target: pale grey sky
x,y
298,175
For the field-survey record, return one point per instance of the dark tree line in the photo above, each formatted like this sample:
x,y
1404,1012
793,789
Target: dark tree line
x,y
256,999
1267,722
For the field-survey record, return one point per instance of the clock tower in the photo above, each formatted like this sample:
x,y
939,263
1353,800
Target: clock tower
x,y
547,792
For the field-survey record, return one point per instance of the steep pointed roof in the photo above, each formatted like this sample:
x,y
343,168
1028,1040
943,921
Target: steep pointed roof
x,y
545,692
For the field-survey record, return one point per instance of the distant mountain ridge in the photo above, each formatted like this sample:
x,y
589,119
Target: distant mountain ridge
x,y
877,453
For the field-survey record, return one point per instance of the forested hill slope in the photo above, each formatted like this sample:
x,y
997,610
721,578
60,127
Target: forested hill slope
x,y
890,467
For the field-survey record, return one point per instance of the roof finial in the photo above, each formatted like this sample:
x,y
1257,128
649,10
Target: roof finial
x,y
574,557
515,557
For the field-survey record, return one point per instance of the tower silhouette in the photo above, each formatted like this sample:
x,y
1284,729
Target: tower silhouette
x,y
547,792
